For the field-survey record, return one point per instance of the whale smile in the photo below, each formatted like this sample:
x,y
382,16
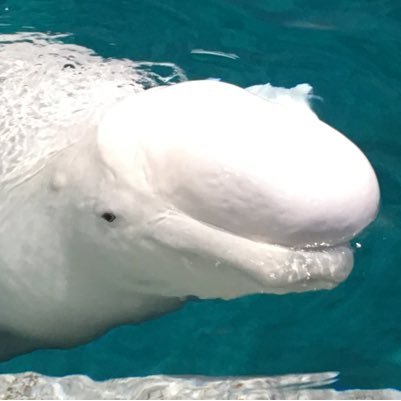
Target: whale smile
x,y
240,266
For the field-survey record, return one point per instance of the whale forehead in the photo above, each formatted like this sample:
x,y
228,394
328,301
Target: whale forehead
x,y
246,165
293,197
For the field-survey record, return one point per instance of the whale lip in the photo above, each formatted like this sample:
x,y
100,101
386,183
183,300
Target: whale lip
x,y
234,266
307,268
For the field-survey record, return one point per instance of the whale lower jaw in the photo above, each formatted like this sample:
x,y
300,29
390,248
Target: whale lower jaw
x,y
311,269
216,264
276,269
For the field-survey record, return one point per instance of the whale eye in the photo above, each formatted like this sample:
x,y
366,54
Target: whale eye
x,y
108,216
68,65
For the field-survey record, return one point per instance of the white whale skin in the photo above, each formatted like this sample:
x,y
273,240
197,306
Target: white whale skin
x,y
215,192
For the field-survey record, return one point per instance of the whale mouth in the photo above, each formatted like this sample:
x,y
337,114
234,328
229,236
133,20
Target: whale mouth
x,y
317,267
282,270
220,264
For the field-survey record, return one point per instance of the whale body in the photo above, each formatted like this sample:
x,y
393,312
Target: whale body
x,y
199,189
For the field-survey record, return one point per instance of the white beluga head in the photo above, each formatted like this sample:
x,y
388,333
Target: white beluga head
x,y
244,194
197,189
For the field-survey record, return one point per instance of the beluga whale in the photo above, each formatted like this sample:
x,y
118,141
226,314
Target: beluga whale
x,y
118,203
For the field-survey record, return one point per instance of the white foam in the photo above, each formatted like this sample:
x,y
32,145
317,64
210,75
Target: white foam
x,y
302,386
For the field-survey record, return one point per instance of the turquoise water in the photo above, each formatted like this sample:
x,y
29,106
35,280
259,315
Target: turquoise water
x,y
350,52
